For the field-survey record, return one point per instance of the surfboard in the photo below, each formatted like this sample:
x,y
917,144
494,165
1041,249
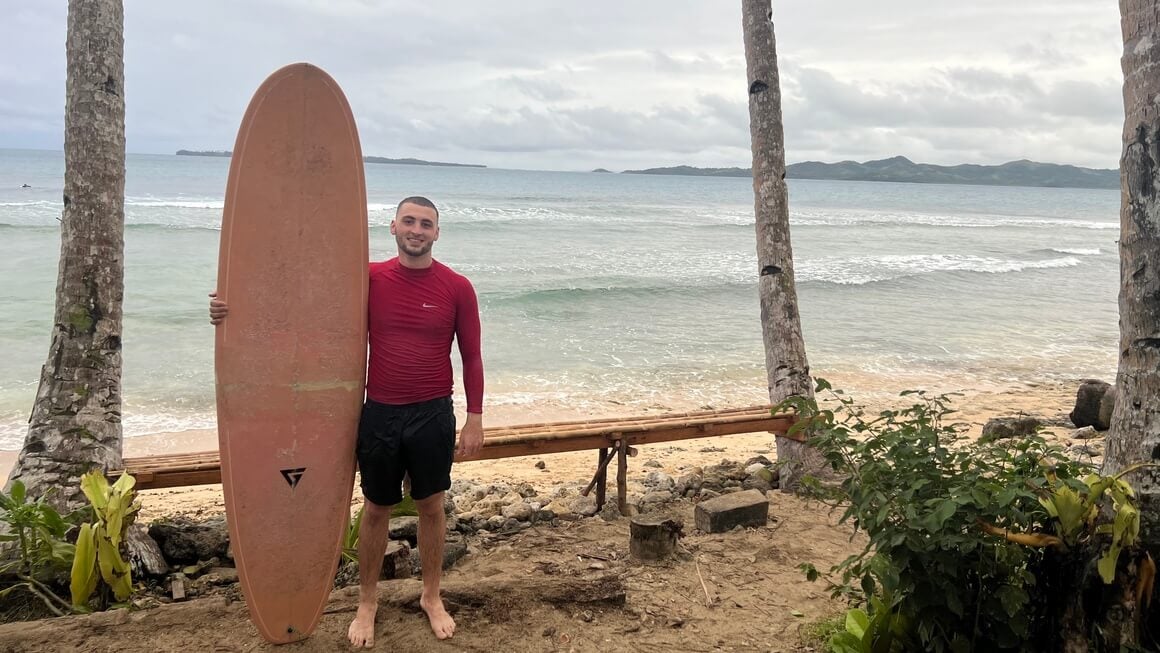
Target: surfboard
x,y
290,359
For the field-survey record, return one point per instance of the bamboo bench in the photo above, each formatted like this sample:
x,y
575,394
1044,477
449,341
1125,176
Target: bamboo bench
x,y
613,437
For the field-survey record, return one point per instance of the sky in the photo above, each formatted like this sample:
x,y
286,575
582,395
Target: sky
x,y
616,84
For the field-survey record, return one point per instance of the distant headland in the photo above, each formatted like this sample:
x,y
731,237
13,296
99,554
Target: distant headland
x,y
902,169
368,159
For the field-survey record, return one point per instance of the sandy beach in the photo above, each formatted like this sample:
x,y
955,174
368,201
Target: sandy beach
x,y
1050,402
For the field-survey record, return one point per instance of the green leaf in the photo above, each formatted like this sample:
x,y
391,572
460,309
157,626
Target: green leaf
x,y
1107,564
936,519
96,488
18,492
857,622
84,570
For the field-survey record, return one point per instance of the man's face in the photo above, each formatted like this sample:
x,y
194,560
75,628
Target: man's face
x,y
415,228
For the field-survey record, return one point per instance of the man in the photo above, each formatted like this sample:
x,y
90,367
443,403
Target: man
x,y
416,307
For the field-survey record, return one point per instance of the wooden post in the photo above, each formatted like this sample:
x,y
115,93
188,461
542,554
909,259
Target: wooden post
x,y
602,478
652,537
622,477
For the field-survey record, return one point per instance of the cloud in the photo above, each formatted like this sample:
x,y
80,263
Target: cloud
x,y
634,84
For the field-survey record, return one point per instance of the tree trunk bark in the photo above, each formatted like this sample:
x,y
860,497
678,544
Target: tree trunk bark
x,y
787,369
1135,429
76,418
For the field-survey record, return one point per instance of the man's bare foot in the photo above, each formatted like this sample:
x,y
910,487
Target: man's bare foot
x,y
441,623
362,629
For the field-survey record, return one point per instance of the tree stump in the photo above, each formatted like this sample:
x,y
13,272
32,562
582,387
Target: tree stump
x,y
652,537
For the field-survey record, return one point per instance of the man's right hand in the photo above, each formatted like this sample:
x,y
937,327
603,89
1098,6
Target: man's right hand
x,y
217,309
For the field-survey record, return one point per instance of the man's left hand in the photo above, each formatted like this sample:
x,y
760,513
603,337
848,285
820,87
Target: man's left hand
x,y
471,436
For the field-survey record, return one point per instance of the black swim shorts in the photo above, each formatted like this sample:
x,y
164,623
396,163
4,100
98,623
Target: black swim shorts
x,y
416,440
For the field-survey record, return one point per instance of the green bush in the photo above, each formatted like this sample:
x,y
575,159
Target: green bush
x,y
33,547
931,504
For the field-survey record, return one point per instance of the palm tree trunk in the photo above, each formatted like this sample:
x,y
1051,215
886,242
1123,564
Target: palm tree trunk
x,y
1135,428
76,418
787,369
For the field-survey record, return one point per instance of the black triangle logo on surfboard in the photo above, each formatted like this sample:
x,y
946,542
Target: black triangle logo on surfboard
x,y
292,476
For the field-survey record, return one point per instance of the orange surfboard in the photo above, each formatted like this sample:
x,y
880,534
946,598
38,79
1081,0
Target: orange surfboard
x,y
290,359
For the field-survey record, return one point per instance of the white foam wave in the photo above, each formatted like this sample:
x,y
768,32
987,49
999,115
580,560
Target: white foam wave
x,y
862,270
846,218
1077,251
152,202
13,430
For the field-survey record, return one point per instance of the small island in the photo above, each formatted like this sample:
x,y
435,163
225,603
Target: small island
x,y
602,170
367,159
902,169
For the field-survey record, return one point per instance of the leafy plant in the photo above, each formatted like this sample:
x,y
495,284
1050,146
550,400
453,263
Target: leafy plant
x,y
35,531
883,630
98,549
405,508
922,494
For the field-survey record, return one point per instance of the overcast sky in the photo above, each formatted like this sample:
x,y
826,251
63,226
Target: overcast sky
x,y
610,83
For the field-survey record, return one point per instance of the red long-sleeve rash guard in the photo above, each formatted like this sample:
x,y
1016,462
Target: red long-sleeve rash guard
x,y
413,316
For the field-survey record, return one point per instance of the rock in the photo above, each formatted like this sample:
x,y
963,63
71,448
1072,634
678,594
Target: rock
x,y
753,469
610,512
405,528
706,494
652,463
748,508
1088,401
1085,452
659,481
541,464
656,497
495,523
759,460
184,542
145,556
688,484
557,509
1009,427
221,575
519,511
448,504
1107,405
756,483
1086,433
453,552
584,506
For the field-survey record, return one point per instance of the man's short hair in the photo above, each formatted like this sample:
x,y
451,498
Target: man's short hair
x,y
418,200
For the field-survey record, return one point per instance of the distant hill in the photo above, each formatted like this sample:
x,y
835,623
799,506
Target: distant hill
x,y
601,170
419,162
368,159
901,169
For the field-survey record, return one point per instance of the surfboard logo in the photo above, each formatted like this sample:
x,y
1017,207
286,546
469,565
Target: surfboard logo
x,y
292,476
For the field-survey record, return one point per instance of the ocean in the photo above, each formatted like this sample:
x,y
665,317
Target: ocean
x,y
633,290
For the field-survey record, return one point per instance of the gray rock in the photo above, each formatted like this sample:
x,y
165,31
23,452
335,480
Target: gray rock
x,y
584,506
656,497
756,483
1086,433
1009,427
762,460
405,528
185,542
753,469
1107,405
495,523
659,481
706,494
1088,399
518,511
653,464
